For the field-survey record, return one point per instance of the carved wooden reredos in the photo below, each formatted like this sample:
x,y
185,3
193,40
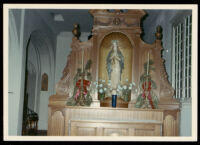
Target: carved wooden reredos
x,y
123,23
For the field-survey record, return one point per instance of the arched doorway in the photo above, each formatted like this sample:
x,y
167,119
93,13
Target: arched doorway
x,y
41,59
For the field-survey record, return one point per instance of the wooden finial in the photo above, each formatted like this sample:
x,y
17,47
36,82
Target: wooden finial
x,y
158,32
76,31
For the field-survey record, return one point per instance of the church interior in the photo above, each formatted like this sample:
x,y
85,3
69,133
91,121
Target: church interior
x,y
49,48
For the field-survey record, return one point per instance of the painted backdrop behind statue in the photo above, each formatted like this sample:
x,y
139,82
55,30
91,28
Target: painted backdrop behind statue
x,y
126,49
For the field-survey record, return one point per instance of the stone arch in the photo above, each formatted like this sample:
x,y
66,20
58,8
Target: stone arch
x,y
44,48
42,43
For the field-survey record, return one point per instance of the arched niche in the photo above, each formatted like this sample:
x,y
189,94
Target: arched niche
x,y
126,49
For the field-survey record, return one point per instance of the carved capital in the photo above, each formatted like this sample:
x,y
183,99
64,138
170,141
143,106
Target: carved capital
x,y
171,112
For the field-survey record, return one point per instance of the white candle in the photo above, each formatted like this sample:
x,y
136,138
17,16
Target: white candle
x,y
148,65
82,58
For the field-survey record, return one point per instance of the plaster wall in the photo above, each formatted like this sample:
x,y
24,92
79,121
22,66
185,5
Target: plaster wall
x,y
64,40
15,72
24,23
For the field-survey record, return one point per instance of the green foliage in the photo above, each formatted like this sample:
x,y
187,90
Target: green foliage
x,y
139,101
143,78
154,99
87,100
71,101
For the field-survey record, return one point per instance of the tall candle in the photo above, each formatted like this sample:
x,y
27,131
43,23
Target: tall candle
x,y
82,58
148,65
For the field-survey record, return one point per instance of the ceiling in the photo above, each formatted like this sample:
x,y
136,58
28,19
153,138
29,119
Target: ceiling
x,y
80,16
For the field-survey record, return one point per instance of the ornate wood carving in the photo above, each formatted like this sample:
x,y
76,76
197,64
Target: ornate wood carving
x,y
127,23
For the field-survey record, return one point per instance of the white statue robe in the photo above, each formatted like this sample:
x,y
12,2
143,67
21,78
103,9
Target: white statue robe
x,y
115,74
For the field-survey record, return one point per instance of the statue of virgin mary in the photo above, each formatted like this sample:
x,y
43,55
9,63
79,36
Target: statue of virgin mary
x,y
115,64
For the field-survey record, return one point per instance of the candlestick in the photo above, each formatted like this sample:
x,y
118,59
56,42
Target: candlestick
x,y
82,77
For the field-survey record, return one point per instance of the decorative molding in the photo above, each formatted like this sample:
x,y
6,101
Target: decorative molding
x,y
131,18
185,103
172,113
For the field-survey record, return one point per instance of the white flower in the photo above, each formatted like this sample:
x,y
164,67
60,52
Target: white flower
x,y
119,87
104,89
133,83
136,90
130,88
101,91
103,81
109,84
124,87
101,85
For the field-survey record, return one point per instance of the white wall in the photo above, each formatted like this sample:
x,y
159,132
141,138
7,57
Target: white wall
x,y
64,40
14,76
24,23
186,118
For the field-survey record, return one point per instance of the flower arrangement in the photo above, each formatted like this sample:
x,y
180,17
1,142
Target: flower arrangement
x,y
123,90
103,88
146,97
82,87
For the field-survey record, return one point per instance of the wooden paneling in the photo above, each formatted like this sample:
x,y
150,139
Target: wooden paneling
x,y
114,128
57,124
169,126
87,121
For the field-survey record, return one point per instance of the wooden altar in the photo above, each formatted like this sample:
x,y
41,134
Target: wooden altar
x,y
99,118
